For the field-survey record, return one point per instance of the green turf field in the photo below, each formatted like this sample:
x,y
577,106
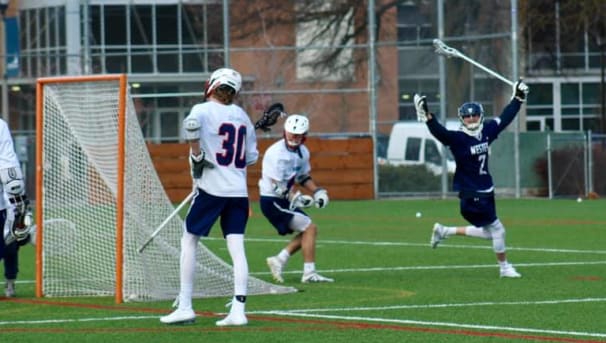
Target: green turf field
x,y
390,285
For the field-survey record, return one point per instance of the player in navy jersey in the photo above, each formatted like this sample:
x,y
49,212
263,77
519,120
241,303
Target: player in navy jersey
x,y
472,179
222,144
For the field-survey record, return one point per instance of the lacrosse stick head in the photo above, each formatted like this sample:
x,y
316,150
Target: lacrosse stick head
x,y
445,50
270,116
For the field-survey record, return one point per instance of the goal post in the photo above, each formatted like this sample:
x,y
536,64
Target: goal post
x,y
98,197
120,79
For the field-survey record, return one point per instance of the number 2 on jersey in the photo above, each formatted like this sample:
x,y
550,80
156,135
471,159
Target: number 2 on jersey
x,y
482,169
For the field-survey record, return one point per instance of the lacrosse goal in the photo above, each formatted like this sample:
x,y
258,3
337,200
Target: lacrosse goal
x,y
98,197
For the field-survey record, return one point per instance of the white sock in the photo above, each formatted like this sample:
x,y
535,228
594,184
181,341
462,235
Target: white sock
x,y
503,264
235,246
237,307
187,269
479,232
450,230
283,256
309,267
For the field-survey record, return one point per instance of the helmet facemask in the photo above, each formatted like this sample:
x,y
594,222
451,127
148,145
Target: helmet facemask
x,y
471,109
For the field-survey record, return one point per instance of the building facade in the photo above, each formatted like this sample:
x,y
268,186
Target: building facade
x,y
168,48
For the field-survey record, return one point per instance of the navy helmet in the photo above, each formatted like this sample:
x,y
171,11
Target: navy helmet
x,y
472,109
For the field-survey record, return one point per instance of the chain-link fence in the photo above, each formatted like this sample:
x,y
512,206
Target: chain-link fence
x,y
553,165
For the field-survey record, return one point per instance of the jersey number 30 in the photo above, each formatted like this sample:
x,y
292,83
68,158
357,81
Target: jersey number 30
x,y
234,144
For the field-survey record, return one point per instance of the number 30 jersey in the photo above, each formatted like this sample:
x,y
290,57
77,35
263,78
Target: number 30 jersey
x,y
228,138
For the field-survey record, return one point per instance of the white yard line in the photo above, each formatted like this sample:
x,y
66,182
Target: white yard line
x,y
443,245
441,267
441,306
439,324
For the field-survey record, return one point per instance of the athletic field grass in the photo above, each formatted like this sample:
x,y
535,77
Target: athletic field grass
x,y
390,285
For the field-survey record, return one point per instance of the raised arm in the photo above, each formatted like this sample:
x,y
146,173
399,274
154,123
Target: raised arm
x,y
518,96
423,115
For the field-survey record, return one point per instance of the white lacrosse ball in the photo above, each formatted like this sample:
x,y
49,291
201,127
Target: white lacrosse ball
x,y
418,215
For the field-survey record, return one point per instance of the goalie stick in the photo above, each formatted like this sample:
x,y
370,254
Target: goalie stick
x,y
270,117
445,50
163,224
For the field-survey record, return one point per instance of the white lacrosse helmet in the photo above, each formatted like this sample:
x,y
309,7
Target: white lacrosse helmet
x,y
224,76
295,124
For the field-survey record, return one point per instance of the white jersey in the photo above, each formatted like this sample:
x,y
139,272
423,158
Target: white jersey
x,y
282,165
8,157
229,141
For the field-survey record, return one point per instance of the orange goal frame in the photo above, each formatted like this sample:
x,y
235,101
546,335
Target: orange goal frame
x,y
41,82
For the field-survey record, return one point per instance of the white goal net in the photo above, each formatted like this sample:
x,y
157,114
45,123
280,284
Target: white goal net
x,y
79,179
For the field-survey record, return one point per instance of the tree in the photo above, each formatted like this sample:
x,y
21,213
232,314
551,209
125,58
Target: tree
x,y
349,17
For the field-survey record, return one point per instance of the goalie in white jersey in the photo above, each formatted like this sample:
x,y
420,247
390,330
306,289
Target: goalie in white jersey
x,y
15,214
222,143
285,163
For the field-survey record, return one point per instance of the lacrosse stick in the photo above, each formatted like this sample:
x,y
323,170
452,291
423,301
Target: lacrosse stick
x,y
445,50
270,117
169,218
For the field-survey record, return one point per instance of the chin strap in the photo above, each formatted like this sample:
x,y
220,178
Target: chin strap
x,y
472,132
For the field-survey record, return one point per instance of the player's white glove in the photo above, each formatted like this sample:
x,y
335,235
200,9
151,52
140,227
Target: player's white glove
x,y
19,226
321,197
520,91
198,163
421,107
299,200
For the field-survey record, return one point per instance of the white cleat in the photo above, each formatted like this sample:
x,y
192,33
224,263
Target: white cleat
x,y
509,272
179,316
233,320
275,266
9,288
437,235
314,277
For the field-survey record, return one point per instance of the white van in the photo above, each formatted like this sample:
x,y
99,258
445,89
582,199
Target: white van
x,y
411,143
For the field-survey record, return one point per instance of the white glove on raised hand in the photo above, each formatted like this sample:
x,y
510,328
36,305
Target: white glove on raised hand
x,y
520,91
299,200
421,107
321,197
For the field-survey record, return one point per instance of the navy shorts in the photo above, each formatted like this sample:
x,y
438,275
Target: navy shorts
x,y
277,212
479,211
206,209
